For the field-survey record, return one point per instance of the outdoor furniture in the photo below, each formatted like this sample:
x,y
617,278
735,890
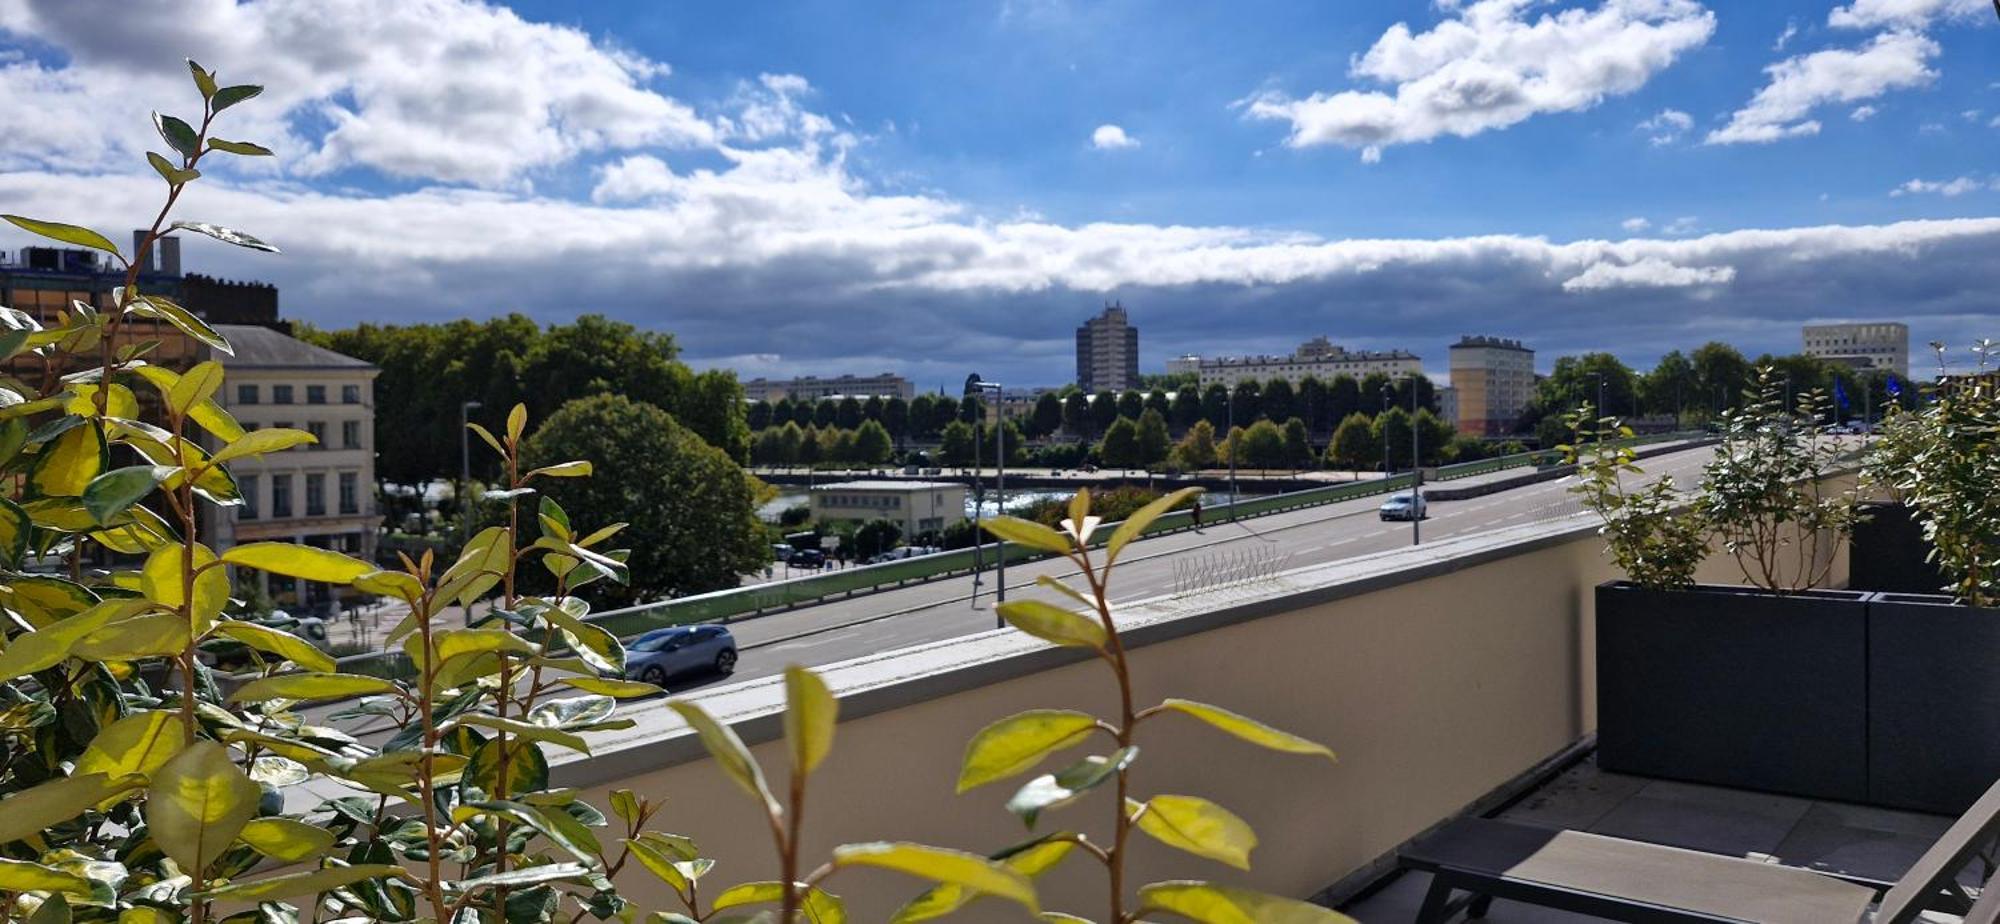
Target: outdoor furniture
x,y
1626,880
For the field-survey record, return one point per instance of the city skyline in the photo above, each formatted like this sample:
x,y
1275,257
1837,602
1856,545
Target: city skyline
x,y
801,192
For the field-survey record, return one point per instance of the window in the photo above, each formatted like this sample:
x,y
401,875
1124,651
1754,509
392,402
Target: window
x,y
246,394
318,429
350,394
247,486
350,434
281,496
350,492
281,394
315,394
315,495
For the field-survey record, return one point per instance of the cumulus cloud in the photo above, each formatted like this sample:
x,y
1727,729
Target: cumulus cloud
x,y
1949,189
1667,127
1903,14
1862,113
1635,225
1490,66
1110,137
1647,273
1785,37
1798,85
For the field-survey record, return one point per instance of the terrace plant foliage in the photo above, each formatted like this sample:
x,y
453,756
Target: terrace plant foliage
x,y
136,786
1649,533
1944,461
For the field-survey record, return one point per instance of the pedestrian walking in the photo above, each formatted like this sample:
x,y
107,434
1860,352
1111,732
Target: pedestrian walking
x,y
1196,514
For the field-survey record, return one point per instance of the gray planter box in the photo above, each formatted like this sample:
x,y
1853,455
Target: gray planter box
x,y
1887,553
1734,686
1933,702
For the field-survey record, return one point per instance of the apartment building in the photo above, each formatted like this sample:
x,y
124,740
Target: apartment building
x,y
1319,358
1493,380
1881,345
813,388
1107,352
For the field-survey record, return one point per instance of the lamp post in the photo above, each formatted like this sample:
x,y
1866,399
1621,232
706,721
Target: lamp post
x,y
465,478
1388,395
975,386
1229,444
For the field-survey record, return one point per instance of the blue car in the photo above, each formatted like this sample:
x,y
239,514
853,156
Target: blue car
x,y
665,653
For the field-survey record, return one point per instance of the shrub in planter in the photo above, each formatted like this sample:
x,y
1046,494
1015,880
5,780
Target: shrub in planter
x,y
1887,551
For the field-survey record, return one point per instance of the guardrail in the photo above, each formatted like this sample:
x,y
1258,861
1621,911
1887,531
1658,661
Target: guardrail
x,y
1541,457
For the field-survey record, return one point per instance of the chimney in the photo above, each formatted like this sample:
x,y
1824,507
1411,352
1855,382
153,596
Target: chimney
x,y
170,255
138,239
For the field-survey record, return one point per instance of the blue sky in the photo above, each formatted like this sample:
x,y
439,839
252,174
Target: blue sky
x,y
928,188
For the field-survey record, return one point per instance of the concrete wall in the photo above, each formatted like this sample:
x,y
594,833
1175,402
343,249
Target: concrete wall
x,y
1437,673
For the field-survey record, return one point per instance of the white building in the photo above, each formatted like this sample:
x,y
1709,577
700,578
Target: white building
x,y
917,506
1107,352
1871,345
1317,357
1494,380
813,388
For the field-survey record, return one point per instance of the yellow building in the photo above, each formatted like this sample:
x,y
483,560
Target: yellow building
x,y
918,506
1492,381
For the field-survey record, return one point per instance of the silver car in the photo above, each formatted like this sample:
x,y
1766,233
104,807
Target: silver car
x,y
664,653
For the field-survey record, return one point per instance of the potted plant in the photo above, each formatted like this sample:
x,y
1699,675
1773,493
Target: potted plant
x,y
1887,551
1934,659
1760,686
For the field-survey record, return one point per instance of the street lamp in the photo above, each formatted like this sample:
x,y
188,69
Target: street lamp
x,y
1229,430
975,386
1388,395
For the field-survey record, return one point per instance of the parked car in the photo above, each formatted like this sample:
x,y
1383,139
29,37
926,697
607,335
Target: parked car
x,y
807,558
782,550
664,653
1404,506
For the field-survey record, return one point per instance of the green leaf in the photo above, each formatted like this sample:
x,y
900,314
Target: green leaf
x,y
729,753
1031,534
283,644
488,436
517,423
225,235
1055,790
748,893
532,875
1197,826
68,234
21,876
152,635
604,686
286,840
293,885
170,311
1052,623
54,643
203,80
526,730
109,494
311,686
1247,728
230,96
810,715
242,148
1136,524
390,584
178,134
1219,904
299,561
659,864
66,466
138,743
197,804
1030,859
14,528
195,386
174,176
577,469
28,812
595,646
259,442
1018,742
969,871
160,579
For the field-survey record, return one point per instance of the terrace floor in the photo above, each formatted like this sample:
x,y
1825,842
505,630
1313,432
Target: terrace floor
x,y
1856,840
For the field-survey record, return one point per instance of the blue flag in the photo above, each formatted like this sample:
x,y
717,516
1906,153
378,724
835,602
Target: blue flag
x,y
1839,395
1895,386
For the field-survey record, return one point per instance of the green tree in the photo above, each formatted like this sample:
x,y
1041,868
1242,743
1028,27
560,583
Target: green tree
x,y
1048,415
1721,374
1354,446
1186,408
1017,443
805,412
872,445
1313,405
1264,445
781,411
1157,400
1279,400
1196,450
955,446
1671,387
1076,415
1131,404
875,537
896,419
1343,398
826,413
1120,448
1393,426
1103,410
1426,392
922,413
1215,405
944,410
1575,380
759,414
790,438
809,446
1432,436
1154,444
1246,401
1298,444
769,449
972,410
1368,393
871,409
1231,448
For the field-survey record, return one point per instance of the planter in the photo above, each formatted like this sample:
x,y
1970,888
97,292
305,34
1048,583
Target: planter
x,y
1887,552
1734,686
1933,702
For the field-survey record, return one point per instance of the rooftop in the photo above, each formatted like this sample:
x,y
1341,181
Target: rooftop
x,y
263,348
888,485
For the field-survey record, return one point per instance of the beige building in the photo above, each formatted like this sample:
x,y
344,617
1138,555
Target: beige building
x,y
918,506
1493,379
1107,352
321,494
1881,345
813,388
1318,357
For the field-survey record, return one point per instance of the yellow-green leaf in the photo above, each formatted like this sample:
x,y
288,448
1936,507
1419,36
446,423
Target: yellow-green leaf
x,y
729,753
68,234
1030,859
1030,533
152,635
970,871
239,148
1052,623
1210,903
1136,524
66,466
810,715
527,730
22,876
311,686
54,643
1055,790
195,386
26,813
286,840
14,528
283,644
748,893
1018,742
207,414
292,885
517,423
1197,826
659,864
1248,729
390,584
576,469
197,804
161,581
604,686
488,437
299,561
258,442
138,743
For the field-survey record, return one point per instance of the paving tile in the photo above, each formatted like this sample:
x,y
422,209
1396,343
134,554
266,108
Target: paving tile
x,y
1726,821
1399,901
1575,799
1877,843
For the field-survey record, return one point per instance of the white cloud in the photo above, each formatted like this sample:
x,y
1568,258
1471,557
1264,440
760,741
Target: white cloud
x,y
1110,137
1635,225
1862,113
1667,127
1785,37
1949,189
1903,14
1798,85
1488,67
1681,227
1647,273
448,90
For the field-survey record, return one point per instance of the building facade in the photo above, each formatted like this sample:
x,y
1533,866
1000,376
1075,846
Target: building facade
x,y
1883,345
47,282
1107,352
1318,358
1493,380
916,506
813,388
321,494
